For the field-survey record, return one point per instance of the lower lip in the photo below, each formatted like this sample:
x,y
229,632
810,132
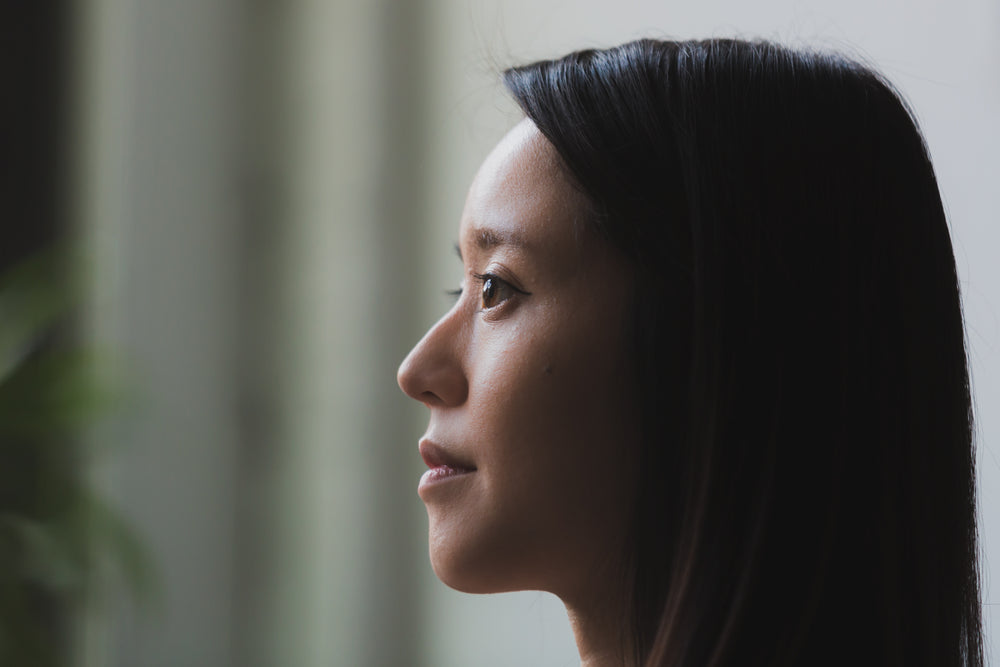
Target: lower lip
x,y
440,475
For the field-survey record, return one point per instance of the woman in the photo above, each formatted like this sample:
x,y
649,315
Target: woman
x,y
706,377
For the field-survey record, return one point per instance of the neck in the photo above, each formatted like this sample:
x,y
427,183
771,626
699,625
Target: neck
x,y
600,630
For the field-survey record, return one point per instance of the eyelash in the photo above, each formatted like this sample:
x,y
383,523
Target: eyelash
x,y
483,279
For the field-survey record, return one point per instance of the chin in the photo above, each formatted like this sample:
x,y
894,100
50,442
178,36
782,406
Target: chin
x,y
483,564
465,572
461,581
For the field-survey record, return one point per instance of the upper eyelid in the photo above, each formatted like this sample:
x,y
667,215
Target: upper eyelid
x,y
483,277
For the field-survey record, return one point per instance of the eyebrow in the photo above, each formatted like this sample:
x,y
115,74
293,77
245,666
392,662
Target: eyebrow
x,y
488,238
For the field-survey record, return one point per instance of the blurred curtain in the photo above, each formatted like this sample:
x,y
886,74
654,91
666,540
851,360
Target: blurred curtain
x,y
251,178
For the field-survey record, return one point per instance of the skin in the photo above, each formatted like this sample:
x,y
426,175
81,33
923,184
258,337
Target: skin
x,y
529,383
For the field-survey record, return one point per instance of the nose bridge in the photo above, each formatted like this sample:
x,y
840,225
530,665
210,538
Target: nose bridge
x,y
433,372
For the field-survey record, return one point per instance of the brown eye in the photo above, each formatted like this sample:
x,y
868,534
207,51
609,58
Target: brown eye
x,y
491,289
496,291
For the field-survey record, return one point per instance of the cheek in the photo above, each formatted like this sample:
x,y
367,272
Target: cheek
x,y
522,392
556,411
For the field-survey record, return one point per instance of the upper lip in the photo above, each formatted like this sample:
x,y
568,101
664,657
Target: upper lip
x,y
434,455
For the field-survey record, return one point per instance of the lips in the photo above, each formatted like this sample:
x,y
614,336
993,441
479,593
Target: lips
x,y
443,466
436,456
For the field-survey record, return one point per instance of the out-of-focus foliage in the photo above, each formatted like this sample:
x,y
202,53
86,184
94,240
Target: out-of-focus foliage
x,y
59,540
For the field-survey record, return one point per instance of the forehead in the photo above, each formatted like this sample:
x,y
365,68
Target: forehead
x,y
521,195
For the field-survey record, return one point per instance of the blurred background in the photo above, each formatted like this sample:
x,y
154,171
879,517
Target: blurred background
x,y
260,200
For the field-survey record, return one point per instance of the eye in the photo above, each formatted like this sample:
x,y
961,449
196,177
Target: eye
x,y
495,290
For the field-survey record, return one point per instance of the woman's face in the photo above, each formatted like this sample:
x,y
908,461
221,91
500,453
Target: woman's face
x,y
533,434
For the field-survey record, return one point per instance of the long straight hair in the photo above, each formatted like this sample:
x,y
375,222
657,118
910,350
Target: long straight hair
x,y
807,494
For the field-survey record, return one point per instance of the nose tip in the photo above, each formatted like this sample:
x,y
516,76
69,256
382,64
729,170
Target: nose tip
x,y
432,372
404,375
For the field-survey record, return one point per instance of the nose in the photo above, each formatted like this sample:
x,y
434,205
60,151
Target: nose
x,y
433,372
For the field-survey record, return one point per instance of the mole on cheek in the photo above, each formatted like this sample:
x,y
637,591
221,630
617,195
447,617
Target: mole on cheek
x,y
548,369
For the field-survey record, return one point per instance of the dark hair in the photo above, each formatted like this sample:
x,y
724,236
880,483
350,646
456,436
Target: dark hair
x,y
807,493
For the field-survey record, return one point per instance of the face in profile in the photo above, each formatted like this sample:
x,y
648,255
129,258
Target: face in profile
x,y
533,435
